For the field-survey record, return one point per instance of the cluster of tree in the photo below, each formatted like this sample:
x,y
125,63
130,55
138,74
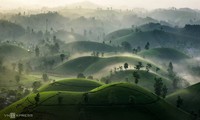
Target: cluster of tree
x,y
97,54
159,88
148,66
81,75
139,66
136,50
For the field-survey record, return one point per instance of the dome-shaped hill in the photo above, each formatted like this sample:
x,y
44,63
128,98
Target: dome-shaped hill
x,y
88,46
168,54
69,37
190,96
95,65
104,65
147,79
118,34
109,102
12,52
155,38
78,85
76,66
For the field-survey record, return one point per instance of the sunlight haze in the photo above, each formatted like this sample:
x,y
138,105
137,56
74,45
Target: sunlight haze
x,y
148,4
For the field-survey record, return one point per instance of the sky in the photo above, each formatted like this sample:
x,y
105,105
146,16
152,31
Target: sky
x,y
147,4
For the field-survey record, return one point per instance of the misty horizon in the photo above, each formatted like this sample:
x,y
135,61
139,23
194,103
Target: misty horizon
x,y
117,4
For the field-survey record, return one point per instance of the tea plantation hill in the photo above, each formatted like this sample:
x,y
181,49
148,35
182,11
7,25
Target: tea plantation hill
x,y
109,102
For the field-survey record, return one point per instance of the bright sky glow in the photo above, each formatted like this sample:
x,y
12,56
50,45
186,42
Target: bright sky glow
x,y
148,4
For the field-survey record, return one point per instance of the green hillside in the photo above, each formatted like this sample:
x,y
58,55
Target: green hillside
x,y
76,85
12,52
104,65
7,80
88,46
167,54
146,79
69,37
155,38
109,102
190,96
75,66
118,34
100,66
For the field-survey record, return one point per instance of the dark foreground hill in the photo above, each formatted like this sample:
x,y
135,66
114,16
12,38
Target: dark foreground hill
x,y
119,101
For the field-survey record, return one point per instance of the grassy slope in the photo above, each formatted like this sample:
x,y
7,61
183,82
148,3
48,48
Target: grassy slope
x,y
146,79
7,80
88,46
147,106
76,66
94,65
77,85
110,62
190,96
155,38
10,52
164,54
118,34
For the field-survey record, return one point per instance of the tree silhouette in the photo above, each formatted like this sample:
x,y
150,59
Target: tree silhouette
x,y
17,78
164,91
125,66
147,46
45,77
126,46
138,66
37,51
62,57
148,66
80,75
60,99
157,69
20,68
158,86
136,76
179,102
37,98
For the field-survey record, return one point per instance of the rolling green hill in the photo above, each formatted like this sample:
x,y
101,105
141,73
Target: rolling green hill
x,y
146,79
88,46
7,80
104,65
76,85
69,36
166,54
76,66
190,96
12,52
110,102
156,38
99,66
117,34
